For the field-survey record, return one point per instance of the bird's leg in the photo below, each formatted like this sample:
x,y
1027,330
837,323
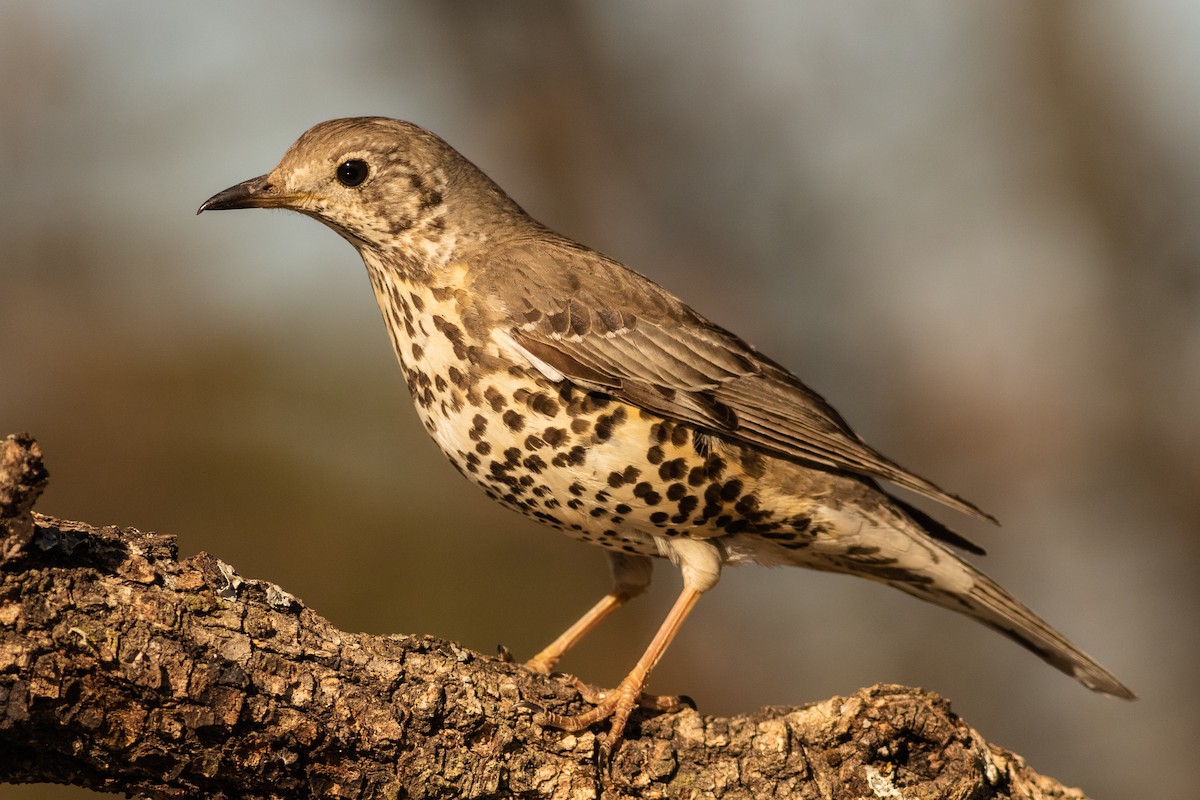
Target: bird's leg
x,y
616,705
545,661
631,576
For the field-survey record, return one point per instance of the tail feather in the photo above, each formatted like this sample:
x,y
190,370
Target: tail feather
x,y
899,545
991,604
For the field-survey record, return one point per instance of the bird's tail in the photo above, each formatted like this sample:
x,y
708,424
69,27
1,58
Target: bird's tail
x,y
899,553
988,602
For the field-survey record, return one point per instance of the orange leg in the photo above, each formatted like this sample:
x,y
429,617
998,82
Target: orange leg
x,y
617,704
545,661
631,576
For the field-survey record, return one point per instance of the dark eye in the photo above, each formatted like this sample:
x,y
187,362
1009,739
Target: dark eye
x,y
352,173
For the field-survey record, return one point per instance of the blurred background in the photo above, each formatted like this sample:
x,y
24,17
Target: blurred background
x,y
972,228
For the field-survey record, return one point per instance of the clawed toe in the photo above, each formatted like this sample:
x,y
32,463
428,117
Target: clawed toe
x,y
666,702
614,705
527,707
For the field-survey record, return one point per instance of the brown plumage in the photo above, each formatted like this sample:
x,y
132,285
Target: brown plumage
x,y
582,394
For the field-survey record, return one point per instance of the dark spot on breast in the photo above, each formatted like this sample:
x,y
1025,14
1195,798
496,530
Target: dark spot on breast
x,y
554,436
655,455
417,351
534,464
604,427
680,436
483,448
544,404
622,508
748,507
674,469
714,467
495,399
512,456
417,302
676,491
594,401
580,425
731,489
688,504
533,442
513,420
439,383
659,517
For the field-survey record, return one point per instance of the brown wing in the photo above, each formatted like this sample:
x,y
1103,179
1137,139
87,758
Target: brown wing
x,y
610,329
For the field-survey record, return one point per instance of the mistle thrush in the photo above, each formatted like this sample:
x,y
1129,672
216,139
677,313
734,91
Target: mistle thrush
x,y
580,393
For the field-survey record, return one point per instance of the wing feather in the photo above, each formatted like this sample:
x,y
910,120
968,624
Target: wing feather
x,y
606,327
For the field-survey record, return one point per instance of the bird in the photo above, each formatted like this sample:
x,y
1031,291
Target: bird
x,y
582,394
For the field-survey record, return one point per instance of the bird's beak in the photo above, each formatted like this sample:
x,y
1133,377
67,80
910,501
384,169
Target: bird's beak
x,y
254,193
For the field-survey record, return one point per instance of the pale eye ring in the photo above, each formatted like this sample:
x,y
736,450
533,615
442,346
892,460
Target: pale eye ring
x,y
352,173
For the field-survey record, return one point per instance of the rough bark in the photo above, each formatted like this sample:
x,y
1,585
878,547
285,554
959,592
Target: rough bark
x,y
125,669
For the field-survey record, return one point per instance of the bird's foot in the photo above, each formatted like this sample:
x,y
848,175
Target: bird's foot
x,y
652,702
614,705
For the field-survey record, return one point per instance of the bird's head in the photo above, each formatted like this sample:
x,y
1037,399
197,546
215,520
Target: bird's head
x,y
384,185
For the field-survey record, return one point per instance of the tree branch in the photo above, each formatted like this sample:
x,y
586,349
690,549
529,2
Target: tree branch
x,y
125,669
